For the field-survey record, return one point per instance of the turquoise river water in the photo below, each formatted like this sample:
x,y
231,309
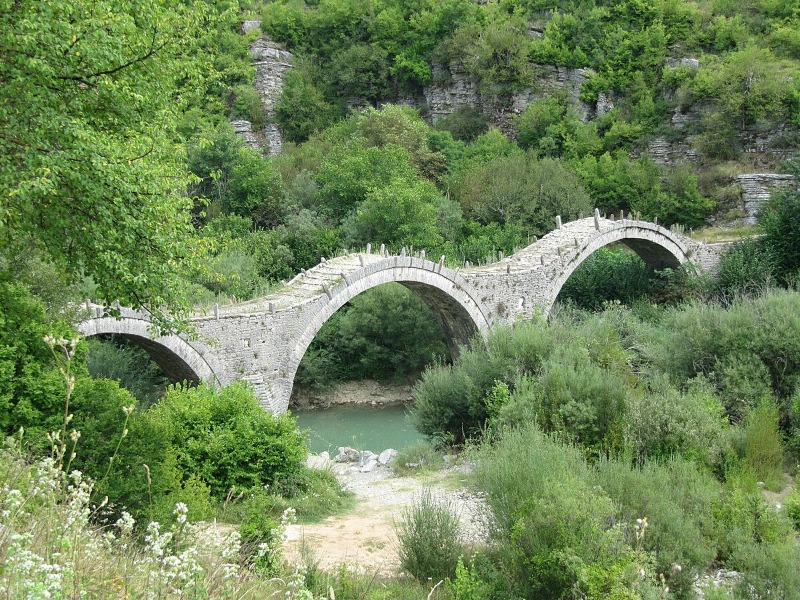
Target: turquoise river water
x,y
359,426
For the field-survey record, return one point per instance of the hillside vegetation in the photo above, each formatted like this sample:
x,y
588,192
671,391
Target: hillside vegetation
x,y
623,452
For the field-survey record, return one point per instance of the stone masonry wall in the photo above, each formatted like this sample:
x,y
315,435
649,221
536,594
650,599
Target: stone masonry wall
x,y
756,190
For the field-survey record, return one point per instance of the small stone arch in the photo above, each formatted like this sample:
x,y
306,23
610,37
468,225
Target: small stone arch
x,y
448,295
658,247
179,360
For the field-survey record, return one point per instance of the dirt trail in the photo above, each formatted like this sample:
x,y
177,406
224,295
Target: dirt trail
x,y
364,537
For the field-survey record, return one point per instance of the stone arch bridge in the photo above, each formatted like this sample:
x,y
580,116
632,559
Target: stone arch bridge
x,y
263,340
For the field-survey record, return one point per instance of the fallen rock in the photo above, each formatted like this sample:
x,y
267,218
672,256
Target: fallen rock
x,y
365,457
370,466
347,454
387,456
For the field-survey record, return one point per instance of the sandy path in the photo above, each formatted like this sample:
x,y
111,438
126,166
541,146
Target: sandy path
x,y
364,537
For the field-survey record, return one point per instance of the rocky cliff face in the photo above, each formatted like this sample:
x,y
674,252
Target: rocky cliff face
x,y
271,64
455,88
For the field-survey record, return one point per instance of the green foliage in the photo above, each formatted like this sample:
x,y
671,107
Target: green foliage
x,y
259,526
496,52
31,387
792,508
746,267
747,84
302,109
467,584
675,497
129,365
608,274
385,332
349,173
521,190
763,449
781,225
234,179
762,327
663,422
428,533
615,182
679,200
572,394
90,170
403,213
227,439
555,529
465,124
361,71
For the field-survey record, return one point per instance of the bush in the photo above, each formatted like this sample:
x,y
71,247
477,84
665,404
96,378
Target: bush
x,y
428,533
31,388
763,446
131,366
747,267
664,422
792,508
227,439
675,497
608,274
781,225
555,530
465,124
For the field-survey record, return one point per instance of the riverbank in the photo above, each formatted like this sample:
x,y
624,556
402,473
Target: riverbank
x,y
364,538
367,391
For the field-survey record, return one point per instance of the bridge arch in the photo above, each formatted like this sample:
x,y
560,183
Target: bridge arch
x,y
658,247
442,289
176,357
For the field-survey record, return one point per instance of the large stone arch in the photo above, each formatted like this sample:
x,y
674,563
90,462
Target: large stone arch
x,y
449,296
658,247
179,360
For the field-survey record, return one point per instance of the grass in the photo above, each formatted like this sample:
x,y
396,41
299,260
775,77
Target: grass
x,y
422,457
724,234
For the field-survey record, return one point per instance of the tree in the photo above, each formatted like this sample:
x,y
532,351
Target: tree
x,y
781,225
401,213
748,84
89,167
521,190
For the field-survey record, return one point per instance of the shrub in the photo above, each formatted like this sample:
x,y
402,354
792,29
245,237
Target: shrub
x,y
428,533
555,529
781,225
128,364
792,508
262,533
465,124
746,267
608,274
743,380
675,497
763,446
663,422
31,388
744,522
227,439
580,399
